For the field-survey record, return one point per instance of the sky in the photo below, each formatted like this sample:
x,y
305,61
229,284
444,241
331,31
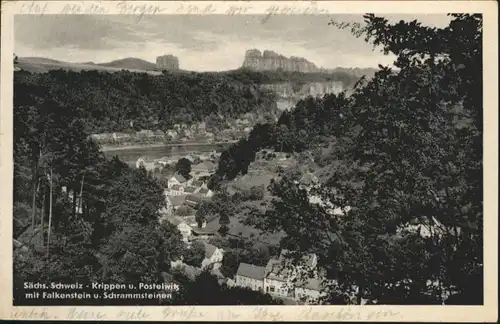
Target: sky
x,y
202,43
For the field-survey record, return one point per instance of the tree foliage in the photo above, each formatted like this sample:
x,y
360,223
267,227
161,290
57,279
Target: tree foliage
x,y
183,167
409,146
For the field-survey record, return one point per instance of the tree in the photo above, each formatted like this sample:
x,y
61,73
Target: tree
x,y
183,167
204,209
230,263
402,144
195,254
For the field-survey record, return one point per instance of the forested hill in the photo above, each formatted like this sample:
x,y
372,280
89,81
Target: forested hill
x,y
126,101
405,152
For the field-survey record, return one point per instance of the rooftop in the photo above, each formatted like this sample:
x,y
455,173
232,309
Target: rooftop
x,y
190,189
176,201
179,177
203,190
312,284
205,166
209,250
251,271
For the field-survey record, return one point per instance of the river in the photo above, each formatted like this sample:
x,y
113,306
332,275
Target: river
x,y
154,152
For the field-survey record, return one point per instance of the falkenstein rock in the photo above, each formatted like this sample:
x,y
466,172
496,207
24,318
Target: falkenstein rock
x,y
272,61
167,62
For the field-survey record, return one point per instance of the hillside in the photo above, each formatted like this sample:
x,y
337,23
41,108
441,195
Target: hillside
x,y
42,65
130,63
123,101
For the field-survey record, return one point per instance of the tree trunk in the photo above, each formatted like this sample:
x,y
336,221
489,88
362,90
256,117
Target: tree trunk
x,y
42,216
74,203
33,202
50,213
80,205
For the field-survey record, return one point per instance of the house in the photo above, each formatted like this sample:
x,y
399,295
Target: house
x,y
213,256
281,271
181,225
198,184
159,133
204,168
278,279
204,157
176,179
176,201
140,162
170,207
202,127
144,133
176,190
426,227
205,192
190,190
250,276
193,200
329,206
308,291
121,136
172,134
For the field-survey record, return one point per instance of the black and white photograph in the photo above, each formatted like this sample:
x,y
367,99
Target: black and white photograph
x,y
280,158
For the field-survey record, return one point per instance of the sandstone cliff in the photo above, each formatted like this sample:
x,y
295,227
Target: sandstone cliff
x,y
167,62
271,61
289,93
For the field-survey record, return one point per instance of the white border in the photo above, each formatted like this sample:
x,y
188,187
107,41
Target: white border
x,y
488,312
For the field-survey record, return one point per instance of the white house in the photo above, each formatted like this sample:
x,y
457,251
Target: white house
x,y
176,179
204,168
278,279
184,228
213,256
170,207
172,133
282,271
250,276
176,190
308,291
426,227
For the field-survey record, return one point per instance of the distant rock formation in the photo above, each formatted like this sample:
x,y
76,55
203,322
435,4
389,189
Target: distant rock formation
x,y
272,61
167,62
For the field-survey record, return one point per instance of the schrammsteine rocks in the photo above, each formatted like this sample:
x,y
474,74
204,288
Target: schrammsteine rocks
x,y
167,62
272,61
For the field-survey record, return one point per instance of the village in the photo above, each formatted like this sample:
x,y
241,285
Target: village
x,y
283,277
185,193
213,131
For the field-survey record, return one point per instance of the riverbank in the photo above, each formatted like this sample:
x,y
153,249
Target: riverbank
x,y
112,148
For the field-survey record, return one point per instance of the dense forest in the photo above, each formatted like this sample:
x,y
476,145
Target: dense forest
x,y
127,101
407,147
79,217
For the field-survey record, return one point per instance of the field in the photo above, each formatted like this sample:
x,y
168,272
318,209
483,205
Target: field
x,y
239,229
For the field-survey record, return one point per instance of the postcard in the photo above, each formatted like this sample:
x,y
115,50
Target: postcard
x,y
249,160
